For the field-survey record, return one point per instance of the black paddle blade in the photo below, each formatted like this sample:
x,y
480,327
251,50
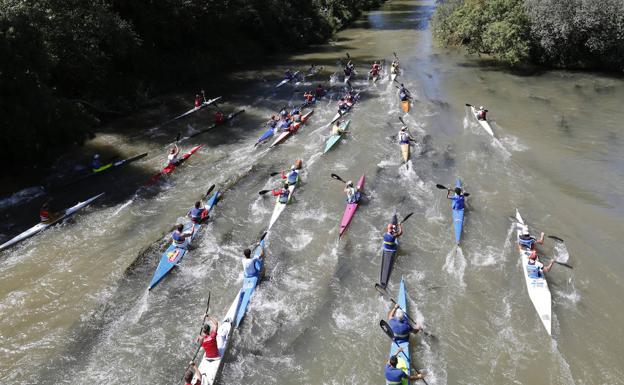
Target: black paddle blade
x,y
401,119
407,216
337,177
382,290
274,173
262,192
468,105
386,329
178,137
564,264
210,190
466,194
441,187
556,238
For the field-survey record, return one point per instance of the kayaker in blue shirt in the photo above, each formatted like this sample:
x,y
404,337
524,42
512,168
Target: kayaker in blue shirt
x,y
288,74
394,375
404,93
282,193
400,324
390,236
535,269
197,213
292,176
180,237
353,195
527,242
457,198
96,163
404,136
253,267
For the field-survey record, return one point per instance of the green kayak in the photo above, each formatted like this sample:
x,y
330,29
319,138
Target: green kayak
x,y
333,139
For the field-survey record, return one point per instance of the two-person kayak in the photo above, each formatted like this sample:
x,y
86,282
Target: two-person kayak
x,y
292,129
404,356
343,112
335,138
351,208
537,287
172,256
170,167
44,225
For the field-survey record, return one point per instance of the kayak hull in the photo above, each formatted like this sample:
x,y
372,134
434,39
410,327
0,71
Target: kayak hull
x,y
387,262
280,207
216,124
405,152
39,227
483,123
249,286
333,139
283,82
458,218
350,209
195,109
538,290
174,254
405,106
404,359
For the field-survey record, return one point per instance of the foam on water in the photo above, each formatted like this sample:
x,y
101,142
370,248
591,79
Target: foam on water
x,y
455,265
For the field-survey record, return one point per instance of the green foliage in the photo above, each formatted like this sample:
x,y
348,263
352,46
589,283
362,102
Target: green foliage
x,y
65,63
556,33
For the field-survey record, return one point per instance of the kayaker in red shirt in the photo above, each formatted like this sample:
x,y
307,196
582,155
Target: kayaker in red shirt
x,y
198,100
481,113
44,212
191,373
208,339
219,118
319,92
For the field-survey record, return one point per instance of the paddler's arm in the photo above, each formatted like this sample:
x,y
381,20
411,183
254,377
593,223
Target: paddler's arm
x,y
448,193
549,266
392,311
214,324
275,192
541,239
400,232
195,370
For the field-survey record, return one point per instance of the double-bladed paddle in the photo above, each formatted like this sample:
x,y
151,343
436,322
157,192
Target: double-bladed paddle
x,y
386,328
384,293
443,187
338,178
556,238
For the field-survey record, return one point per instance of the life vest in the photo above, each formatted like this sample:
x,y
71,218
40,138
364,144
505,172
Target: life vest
x,y
403,137
177,237
393,375
292,177
283,196
197,214
400,328
44,215
458,202
533,270
197,102
526,243
389,242
351,195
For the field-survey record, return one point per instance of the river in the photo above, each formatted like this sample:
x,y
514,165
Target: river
x,y
73,299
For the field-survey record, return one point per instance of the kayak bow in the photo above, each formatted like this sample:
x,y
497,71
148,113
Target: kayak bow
x,y
195,109
351,208
333,139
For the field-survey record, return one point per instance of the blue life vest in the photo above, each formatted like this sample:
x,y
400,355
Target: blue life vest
x,y
458,202
196,214
273,124
389,242
526,243
394,375
400,328
283,197
533,271
292,177
177,237
95,164
284,124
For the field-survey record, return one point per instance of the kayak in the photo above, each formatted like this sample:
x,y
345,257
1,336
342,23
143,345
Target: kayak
x,y
458,218
249,285
287,80
393,77
387,261
339,113
206,103
210,369
295,126
42,226
350,209
280,207
404,357
333,139
266,135
172,256
405,105
484,123
214,125
101,170
537,287
169,168
405,152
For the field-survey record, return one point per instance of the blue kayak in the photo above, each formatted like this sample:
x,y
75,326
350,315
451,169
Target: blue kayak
x,y
458,218
267,134
404,356
174,254
249,285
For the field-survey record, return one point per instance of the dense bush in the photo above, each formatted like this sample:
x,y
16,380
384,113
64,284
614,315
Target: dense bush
x,y
66,63
555,33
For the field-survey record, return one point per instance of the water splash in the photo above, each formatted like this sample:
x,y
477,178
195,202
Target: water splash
x,y
455,265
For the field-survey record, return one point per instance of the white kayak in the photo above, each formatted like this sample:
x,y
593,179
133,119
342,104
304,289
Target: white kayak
x,y
210,369
42,226
287,80
280,207
484,123
537,287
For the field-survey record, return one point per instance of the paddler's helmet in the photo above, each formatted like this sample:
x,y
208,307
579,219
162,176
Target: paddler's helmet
x,y
404,128
350,183
283,113
96,156
458,190
525,230
533,255
399,314
286,185
481,107
293,168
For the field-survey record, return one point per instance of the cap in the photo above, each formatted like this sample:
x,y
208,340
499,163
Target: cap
x,y
293,167
525,230
404,128
533,255
399,314
481,107
96,156
350,183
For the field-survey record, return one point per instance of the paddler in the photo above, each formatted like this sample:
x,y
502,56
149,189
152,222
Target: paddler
x,y
536,269
309,97
393,231
375,68
342,105
208,338
400,325
198,100
353,195
293,174
404,136
394,67
527,242
481,113
95,162
282,193
288,74
320,91
337,128
172,158
219,117
192,372
198,213
394,375
45,214
253,267
181,238
458,198
404,93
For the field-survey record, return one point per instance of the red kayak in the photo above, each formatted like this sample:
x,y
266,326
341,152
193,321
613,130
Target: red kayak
x,y
171,167
351,207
